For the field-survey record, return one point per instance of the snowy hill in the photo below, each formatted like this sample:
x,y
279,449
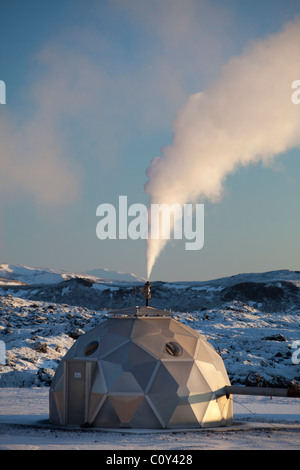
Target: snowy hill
x,y
270,291
251,319
15,274
105,273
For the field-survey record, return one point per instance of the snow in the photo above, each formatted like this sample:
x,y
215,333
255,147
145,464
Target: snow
x,y
256,339
104,287
30,275
14,274
259,423
105,273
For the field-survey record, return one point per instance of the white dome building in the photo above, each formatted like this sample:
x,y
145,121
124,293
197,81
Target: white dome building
x,y
141,368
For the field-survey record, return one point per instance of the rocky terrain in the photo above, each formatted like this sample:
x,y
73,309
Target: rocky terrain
x,y
252,320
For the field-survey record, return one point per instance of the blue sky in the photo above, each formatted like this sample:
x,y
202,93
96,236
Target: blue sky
x,y
93,89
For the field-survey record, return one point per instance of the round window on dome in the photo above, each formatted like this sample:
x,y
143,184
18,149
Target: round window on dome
x,y
174,349
91,348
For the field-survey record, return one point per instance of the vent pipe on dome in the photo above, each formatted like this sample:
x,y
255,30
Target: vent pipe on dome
x,y
146,291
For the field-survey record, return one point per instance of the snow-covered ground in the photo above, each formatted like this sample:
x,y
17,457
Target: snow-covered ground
x,y
251,320
259,423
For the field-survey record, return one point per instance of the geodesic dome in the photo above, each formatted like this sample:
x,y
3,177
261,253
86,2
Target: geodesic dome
x,y
141,368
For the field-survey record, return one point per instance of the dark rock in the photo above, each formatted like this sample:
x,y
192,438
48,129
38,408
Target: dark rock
x,y
278,337
45,375
253,379
75,333
40,347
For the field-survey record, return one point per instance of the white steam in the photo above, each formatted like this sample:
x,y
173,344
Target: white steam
x,y
246,116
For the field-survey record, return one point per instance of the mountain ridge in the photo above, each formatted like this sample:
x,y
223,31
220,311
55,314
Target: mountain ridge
x,y
251,319
270,291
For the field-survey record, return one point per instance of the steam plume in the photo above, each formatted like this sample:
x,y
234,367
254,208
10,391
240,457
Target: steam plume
x,y
244,117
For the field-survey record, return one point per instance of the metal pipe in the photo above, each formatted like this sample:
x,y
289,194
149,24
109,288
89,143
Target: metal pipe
x,y
262,391
146,291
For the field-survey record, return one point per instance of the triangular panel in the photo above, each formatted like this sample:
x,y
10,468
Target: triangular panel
x,y
183,416
126,383
213,377
145,417
212,415
199,403
96,400
107,416
180,371
98,384
125,406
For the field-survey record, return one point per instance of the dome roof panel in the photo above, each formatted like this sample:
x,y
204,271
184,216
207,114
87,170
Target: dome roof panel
x,y
120,326
127,383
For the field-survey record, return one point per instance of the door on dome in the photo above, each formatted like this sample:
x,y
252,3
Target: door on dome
x,y
76,391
